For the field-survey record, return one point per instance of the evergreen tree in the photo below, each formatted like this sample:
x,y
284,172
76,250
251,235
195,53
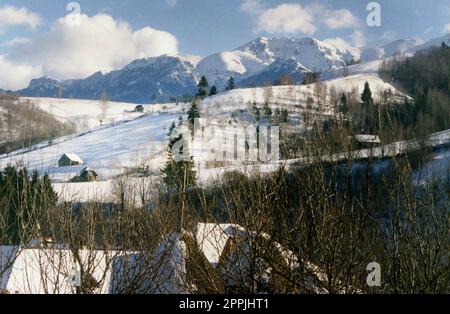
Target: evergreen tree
x,y
444,45
230,84
171,128
310,78
203,86
213,91
284,115
180,121
23,202
366,96
193,114
267,110
343,108
178,174
256,111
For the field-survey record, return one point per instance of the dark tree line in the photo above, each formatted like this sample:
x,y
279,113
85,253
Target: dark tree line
x,y
23,124
426,78
23,200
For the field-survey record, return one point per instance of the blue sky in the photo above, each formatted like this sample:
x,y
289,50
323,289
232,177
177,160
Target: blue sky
x,y
206,26
201,27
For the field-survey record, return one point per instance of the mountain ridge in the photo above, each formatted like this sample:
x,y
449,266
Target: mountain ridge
x,y
259,61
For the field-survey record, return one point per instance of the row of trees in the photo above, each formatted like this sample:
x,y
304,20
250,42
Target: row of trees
x,y
23,199
426,78
23,124
204,90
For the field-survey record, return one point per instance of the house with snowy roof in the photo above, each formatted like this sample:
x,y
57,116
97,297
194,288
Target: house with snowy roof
x,y
362,141
214,258
70,159
87,174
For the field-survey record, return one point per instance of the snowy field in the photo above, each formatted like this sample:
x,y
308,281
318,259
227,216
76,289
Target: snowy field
x,y
130,139
290,96
85,113
108,151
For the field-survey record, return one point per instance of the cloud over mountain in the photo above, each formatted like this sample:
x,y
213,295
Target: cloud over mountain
x,y
290,18
98,43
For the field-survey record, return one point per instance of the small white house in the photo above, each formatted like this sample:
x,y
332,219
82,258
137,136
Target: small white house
x,y
367,139
70,159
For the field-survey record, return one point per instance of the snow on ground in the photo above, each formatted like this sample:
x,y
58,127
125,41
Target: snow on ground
x,y
129,139
367,68
85,113
85,192
437,168
242,99
108,151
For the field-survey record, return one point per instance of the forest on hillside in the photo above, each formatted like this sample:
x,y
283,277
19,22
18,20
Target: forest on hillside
x,y
426,78
23,124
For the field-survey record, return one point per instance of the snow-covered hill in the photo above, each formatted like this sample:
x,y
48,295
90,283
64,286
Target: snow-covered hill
x,y
293,95
108,150
85,113
129,139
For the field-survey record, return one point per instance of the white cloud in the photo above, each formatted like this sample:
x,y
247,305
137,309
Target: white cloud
x,y
358,38
340,19
446,29
343,44
294,18
15,41
99,43
286,18
252,7
11,16
15,75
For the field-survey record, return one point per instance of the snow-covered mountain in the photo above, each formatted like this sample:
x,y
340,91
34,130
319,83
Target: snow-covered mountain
x,y
400,46
262,60
312,53
434,42
218,68
257,55
369,54
160,78
142,81
274,73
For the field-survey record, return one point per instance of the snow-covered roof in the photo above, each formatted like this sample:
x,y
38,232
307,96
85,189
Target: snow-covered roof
x,y
363,138
212,238
73,157
43,271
